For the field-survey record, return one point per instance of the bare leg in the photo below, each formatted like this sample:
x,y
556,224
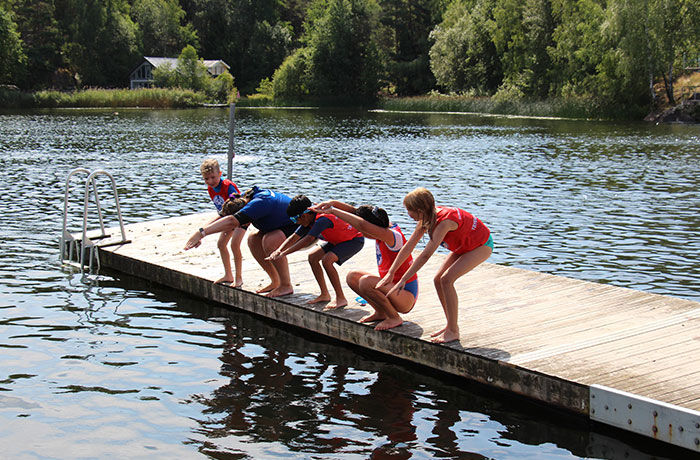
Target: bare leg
x,y
386,307
222,244
340,301
270,242
236,240
315,258
353,279
255,244
454,267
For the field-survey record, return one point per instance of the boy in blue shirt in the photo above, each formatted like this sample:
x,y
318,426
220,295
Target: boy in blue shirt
x,y
221,190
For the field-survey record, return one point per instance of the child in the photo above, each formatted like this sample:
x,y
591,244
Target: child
x,y
219,191
373,222
468,239
266,211
342,242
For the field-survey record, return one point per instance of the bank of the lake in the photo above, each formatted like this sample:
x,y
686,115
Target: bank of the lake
x,y
157,98
163,98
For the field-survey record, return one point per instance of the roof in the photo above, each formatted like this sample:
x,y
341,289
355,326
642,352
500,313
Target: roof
x,y
172,62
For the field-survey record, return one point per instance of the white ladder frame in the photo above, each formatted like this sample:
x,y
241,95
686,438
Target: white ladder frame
x,y
67,237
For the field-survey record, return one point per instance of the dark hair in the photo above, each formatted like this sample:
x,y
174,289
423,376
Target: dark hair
x,y
298,205
233,205
373,215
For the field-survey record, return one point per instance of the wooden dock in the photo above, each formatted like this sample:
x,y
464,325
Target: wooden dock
x,y
621,357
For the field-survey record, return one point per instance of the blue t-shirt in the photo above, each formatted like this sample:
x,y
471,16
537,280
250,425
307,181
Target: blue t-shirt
x,y
321,224
267,210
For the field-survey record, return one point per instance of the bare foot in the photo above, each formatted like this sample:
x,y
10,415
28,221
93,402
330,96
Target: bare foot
x,y
447,336
435,334
373,317
225,279
267,288
280,291
339,303
321,298
238,283
388,324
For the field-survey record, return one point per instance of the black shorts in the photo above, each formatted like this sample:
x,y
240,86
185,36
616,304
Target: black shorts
x,y
346,249
287,229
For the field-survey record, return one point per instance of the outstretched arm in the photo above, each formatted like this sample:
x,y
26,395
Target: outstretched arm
x,y
224,224
323,206
368,229
290,245
403,254
438,235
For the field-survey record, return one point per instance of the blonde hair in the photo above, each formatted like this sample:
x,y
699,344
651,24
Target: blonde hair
x,y
209,165
422,202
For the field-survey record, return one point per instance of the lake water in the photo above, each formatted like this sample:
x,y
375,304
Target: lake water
x,y
110,366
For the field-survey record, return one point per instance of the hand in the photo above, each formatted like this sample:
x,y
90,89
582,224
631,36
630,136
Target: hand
x,y
321,207
194,241
276,254
386,281
395,288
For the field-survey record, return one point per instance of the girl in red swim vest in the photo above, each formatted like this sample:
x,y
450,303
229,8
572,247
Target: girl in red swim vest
x,y
468,240
342,242
373,222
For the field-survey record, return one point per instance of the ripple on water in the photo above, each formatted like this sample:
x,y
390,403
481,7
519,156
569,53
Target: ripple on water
x,y
118,368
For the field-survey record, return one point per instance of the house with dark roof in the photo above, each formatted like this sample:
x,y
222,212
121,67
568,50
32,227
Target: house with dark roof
x,y
142,76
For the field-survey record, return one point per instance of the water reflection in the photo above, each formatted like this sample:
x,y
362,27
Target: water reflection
x,y
321,400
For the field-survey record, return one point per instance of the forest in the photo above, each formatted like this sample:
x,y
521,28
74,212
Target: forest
x,y
616,52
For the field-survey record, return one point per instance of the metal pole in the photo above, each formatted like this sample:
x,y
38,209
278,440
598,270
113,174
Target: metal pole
x,y
231,154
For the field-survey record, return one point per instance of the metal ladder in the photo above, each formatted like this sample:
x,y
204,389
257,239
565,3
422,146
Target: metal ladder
x,y
69,246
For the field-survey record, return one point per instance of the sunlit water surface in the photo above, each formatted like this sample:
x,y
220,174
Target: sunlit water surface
x,y
109,366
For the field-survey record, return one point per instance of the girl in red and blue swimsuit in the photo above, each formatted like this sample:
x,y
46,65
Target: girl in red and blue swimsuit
x,y
468,240
373,222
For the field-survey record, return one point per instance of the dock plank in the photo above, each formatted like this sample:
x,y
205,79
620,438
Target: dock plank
x,y
540,335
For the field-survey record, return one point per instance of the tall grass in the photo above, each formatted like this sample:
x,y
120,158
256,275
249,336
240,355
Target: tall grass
x,y
145,97
564,108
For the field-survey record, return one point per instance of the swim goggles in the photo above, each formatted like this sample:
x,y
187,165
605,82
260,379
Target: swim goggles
x,y
295,219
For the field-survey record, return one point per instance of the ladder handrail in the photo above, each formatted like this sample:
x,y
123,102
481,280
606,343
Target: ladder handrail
x,y
65,206
91,180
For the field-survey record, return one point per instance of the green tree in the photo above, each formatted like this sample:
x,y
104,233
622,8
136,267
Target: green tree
x,y
102,42
191,72
578,47
41,39
237,31
464,56
344,56
161,26
406,38
522,33
12,57
291,80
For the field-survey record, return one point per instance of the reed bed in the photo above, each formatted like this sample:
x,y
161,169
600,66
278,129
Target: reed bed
x,y
145,97
560,108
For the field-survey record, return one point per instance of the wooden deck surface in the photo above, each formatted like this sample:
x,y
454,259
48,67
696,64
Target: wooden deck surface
x,y
519,329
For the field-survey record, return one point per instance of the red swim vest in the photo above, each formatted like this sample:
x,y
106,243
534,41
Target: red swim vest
x,y
469,234
386,257
223,194
340,231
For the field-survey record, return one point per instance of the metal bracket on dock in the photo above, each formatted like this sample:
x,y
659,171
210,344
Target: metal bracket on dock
x,y
662,421
69,245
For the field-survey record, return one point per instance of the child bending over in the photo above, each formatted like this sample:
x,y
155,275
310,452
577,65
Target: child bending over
x,y
373,222
468,240
342,242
